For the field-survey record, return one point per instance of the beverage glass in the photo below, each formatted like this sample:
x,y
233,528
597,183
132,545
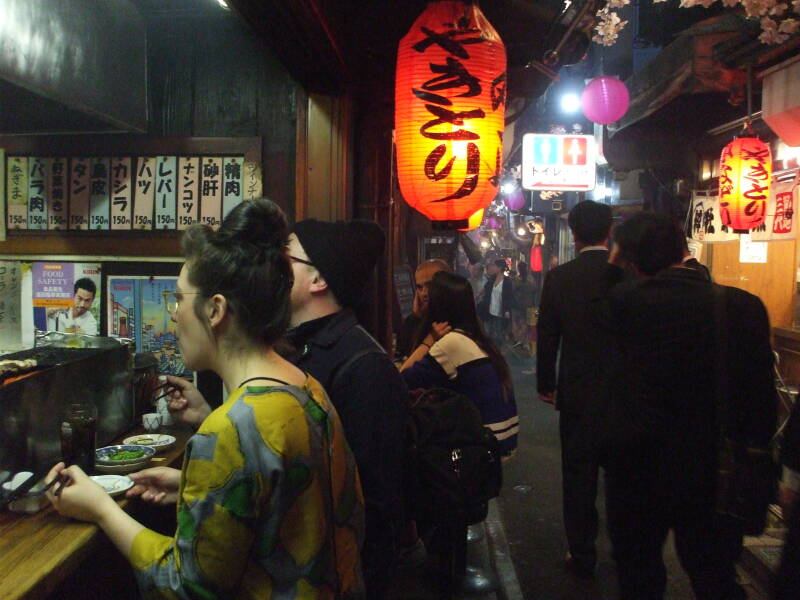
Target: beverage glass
x,y
78,435
151,422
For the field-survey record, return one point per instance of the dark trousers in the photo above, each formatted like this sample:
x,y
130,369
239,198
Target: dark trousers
x,y
579,472
787,581
650,491
497,327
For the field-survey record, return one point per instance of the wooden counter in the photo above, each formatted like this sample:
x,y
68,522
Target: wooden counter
x,y
39,551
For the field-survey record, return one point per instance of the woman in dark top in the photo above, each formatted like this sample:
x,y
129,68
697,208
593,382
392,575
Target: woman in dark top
x,y
456,353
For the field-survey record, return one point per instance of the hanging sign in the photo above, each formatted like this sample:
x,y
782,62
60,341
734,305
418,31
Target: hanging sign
x,y
145,193
211,191
57,193
706,223
231,183
121,193
166,179
188,189
99,197
79,193
17,181
781,219
37,192
558,162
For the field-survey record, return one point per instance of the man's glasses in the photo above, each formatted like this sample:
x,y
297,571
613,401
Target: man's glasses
x,y
171,302
302,260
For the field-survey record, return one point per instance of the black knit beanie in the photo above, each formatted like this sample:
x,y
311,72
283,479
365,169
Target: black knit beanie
x,y
344,252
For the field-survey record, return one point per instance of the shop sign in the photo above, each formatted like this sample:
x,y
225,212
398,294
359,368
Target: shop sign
x,y
558,162
781,219
704,216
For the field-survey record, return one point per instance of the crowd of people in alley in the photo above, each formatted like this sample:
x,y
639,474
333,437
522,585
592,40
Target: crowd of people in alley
x,y
295,486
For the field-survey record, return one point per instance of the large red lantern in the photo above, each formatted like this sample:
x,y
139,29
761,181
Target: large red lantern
x,y
745,171
474,221
450,93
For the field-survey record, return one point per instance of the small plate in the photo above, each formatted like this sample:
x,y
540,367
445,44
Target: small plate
x,y
159,441
113,484
102,456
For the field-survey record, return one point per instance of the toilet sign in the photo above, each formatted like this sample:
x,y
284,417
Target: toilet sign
x,y
558,162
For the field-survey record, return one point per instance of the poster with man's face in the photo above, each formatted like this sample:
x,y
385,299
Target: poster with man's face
x,y
66,297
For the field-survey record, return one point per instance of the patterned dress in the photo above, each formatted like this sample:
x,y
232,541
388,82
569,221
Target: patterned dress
x,y
270,505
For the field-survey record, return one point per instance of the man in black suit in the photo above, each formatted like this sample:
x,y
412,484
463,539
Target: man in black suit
x,y
787,581
566,322
662,430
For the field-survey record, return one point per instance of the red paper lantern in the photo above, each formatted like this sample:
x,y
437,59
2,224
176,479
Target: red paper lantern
x,y
474,221
450,93
745,171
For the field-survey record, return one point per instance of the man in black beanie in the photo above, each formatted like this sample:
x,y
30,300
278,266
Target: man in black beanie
x,y
332,264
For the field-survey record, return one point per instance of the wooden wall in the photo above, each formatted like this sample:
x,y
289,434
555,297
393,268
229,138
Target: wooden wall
x,y
210,76
773,282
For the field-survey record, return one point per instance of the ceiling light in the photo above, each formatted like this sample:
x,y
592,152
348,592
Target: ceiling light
x,y
507,188
570,102
223,4
522,231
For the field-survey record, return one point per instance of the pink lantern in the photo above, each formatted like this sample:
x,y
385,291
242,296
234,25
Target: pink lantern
x,y
515,200
604,100
491,223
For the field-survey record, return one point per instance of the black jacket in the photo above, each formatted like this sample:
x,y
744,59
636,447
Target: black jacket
x,y
566,321
506,298
371,398
663,383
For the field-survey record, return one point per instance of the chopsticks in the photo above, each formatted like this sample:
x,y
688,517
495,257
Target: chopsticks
x,y
164,386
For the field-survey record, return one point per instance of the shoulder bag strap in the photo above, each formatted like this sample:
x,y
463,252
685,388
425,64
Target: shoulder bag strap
x,y
720,360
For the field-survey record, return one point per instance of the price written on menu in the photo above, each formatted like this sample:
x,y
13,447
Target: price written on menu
x,y
125,192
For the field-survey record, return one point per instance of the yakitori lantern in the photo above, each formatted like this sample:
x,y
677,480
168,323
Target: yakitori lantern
x,y
450,92
604,100
474,221
515,200
745,170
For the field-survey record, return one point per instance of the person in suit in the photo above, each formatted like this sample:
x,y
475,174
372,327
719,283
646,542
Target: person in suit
x,y
662,430
565,324
787,581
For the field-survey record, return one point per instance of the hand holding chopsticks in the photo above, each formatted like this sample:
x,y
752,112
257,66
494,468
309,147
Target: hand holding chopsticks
x,y
76,495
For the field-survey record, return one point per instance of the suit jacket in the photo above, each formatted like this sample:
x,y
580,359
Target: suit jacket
x,y
566,322
663,363
506,298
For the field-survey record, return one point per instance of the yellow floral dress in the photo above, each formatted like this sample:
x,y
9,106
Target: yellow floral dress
x,y
270,505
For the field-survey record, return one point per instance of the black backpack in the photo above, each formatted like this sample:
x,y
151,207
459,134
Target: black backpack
x,y
453,460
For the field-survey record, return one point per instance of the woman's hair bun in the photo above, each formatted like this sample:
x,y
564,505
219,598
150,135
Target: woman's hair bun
x,y
259,222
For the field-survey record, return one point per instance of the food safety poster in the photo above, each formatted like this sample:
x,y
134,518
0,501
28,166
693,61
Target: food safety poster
x,y
53,294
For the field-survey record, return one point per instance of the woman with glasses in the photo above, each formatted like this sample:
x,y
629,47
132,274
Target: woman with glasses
x,y
268,500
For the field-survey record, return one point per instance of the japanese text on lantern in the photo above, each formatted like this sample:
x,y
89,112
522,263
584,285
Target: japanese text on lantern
x,y
450,101
744,179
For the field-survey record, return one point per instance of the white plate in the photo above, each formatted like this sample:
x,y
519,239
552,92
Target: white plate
x,y
113,484
158,441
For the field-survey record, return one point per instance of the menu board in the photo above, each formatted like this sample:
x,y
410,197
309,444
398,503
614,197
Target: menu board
x,y
10,306
124,192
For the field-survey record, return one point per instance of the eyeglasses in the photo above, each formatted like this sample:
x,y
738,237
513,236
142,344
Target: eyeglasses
x,y
302,260
171,302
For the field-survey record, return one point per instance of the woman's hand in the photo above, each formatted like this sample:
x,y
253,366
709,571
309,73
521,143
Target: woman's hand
x,y
186,403
439,329
158,485
80,498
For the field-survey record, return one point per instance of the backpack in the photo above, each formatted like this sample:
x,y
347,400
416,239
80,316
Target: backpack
x,y
453,461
